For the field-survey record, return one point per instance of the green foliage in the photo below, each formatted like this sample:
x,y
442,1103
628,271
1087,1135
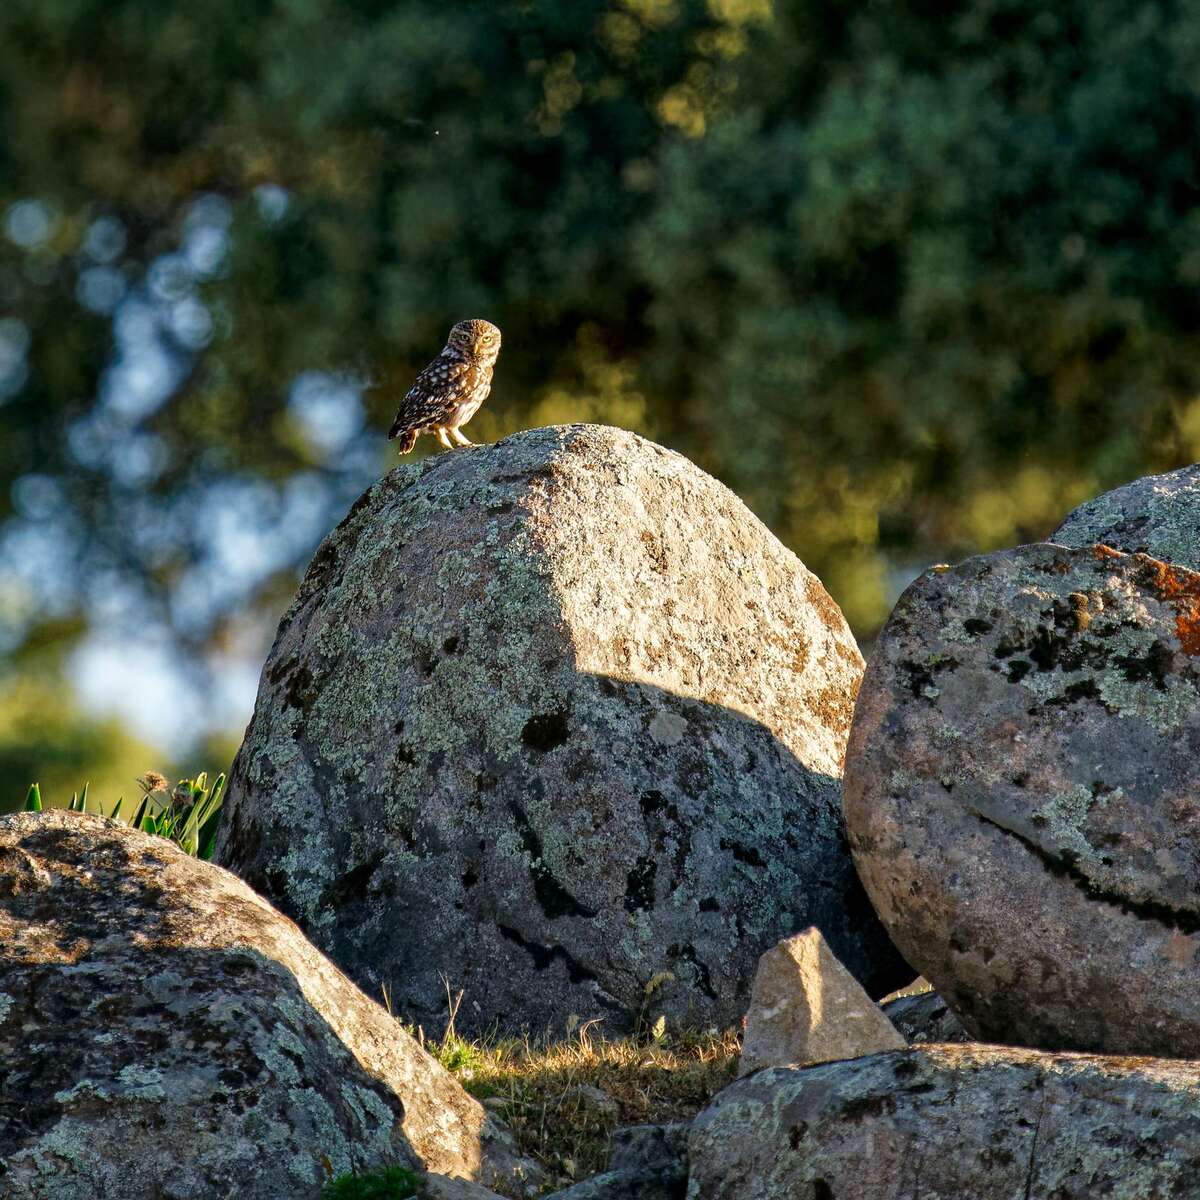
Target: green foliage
x,y
188,814
388,1183
44,736
912,278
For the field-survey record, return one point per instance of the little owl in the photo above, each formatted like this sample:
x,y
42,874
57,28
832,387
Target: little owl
x,y
448,393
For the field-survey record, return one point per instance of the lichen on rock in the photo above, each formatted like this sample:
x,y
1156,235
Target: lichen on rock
x,y
1157,515
985,1122
166,1033
560,723
1023,795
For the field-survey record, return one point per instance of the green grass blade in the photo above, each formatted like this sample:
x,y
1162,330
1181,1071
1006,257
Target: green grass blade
x,y
116,812
83,796
139,813
33,798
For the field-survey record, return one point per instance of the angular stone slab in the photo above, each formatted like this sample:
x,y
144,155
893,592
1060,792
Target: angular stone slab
x,y
1023,795
164,1033
1158,515
805,1007
924,1018
558,721
977,1122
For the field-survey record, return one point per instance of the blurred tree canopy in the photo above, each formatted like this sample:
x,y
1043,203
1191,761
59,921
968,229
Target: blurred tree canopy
x,y
912,278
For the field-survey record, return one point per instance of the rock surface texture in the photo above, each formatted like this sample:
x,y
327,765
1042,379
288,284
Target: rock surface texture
x,y
165,1033
560,721
1158,515
1023,796
925,1018
647,1162
984,1122
805,1007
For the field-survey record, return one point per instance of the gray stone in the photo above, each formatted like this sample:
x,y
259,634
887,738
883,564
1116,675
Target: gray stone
x,y
164,1033
656,1183
441,1187
638,1147
985,1122
647,1162
1023,795
560,722
805,1007
925,1018
1158,515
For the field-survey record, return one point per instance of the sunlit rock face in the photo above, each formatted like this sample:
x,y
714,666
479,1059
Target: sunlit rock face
x,y
165,1033
1023,795
559,724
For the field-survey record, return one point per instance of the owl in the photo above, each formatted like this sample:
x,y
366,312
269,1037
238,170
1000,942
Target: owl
x,y
448,393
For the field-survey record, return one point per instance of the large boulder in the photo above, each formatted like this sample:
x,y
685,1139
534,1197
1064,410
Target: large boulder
x,y
1158,515
559,724
984,1122
166,1035
1023,795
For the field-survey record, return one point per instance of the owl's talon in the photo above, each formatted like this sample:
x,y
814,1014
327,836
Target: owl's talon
x,y
461,438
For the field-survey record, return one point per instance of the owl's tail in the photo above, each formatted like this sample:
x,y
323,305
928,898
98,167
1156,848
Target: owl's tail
x,y
408,438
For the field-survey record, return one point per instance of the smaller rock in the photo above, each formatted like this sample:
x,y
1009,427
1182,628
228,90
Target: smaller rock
x,y
647,1162
806,1008
925,1017
638,1147
442,1187
654,1184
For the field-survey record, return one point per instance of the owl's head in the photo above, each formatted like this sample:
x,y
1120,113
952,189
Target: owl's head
x,y
478,339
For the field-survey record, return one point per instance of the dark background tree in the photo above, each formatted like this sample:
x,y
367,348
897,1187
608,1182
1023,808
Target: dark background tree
x,y
912,278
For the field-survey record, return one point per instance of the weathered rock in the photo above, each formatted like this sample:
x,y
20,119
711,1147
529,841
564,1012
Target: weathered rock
x,y
805,1007
1158,515
655,1183
639,1147
557,720
165,1033
442,1187
1023,795
647,1162
984,1122
925,1018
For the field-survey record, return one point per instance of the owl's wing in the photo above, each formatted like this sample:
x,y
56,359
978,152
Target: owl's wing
x,y
435,394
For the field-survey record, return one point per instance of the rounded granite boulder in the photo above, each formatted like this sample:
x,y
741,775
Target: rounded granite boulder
x,y
166,1035
559,724
1157,515
1022,795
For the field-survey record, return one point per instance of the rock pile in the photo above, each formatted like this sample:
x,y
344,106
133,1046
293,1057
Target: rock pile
x,y
165,1033
560,722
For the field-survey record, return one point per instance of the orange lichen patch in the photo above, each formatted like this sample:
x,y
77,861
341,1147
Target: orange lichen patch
x,y
1180,588
827,609
1101,551
834,707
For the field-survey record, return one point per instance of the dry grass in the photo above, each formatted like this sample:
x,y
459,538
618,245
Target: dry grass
x,y
543,1091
